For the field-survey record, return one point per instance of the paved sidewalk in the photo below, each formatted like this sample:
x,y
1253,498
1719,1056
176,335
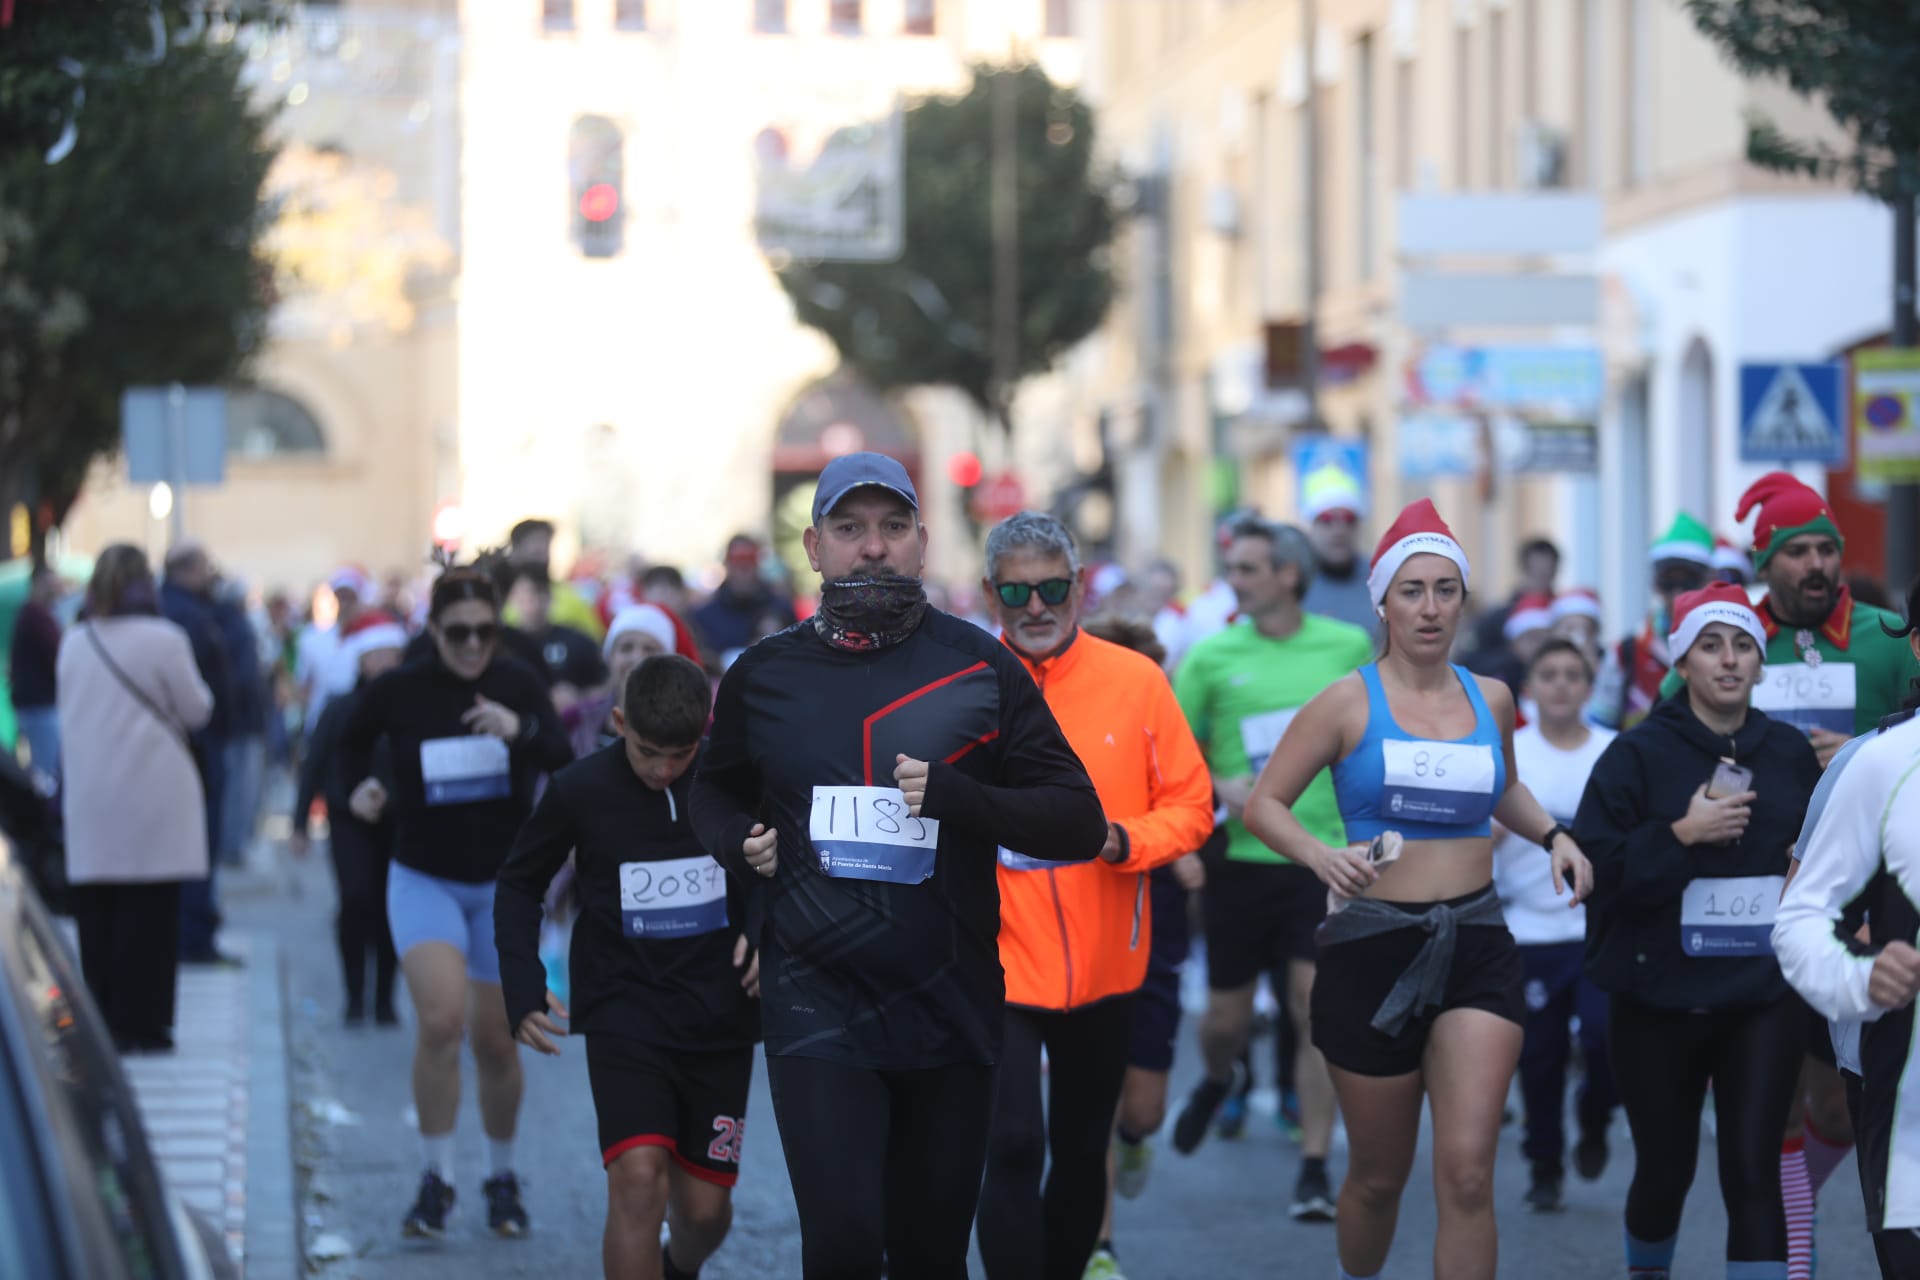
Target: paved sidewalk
x,y
217,1109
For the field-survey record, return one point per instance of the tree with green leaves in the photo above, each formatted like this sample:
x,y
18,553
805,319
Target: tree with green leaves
x,y
928,317
1861,60
132,159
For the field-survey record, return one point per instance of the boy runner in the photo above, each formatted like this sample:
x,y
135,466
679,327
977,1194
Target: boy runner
x,y
656,977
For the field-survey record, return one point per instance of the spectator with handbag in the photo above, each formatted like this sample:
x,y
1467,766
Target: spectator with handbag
x,y
130,699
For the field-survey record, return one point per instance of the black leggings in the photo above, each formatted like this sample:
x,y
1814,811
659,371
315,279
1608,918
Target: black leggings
x,y
1662,1062
360,871
882,1163
1025,1234
130,957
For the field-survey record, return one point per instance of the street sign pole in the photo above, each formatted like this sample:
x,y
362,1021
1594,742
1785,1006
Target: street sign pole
x,y
177,458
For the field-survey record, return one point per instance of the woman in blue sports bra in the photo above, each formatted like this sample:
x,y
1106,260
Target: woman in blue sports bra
x,y
1417,994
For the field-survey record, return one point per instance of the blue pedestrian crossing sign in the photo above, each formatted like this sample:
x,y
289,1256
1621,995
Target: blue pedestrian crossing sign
x,y
1792,413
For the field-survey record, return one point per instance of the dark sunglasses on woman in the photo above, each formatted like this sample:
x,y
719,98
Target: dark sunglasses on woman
x,y
459,633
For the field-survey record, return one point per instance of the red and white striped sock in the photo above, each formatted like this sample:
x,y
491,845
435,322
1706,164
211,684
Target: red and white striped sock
x,y
1823,1157
1797,1194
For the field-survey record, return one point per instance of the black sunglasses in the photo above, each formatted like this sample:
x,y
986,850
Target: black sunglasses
x,y
1015,595
459,633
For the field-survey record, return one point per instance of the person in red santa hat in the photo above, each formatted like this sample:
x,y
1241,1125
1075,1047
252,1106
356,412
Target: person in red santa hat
x,y
1418,997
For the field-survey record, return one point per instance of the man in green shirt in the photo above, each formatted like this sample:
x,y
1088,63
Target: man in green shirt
x,y
1240,688
1832,669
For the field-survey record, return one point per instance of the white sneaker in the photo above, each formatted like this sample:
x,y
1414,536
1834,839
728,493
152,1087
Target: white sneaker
x,y
1102,1266
1133,1161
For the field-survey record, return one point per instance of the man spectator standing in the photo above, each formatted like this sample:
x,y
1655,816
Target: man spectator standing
x,y
729,619
36,652
317,671
186,600
1334,508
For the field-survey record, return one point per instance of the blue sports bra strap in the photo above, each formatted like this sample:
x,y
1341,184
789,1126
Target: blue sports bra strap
x,y
1482,713
1377,708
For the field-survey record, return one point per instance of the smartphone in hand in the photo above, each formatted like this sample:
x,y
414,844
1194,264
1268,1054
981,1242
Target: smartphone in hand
x,y
1729,779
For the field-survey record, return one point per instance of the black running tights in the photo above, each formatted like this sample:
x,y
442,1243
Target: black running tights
x,y
883,1163
1026,1234
1663,1061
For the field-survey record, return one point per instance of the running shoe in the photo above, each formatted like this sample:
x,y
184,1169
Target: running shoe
x,y
1133,1163
1543,1192
506,1216
1590,1155
1232,1119
1312,1197
1288,1117
1190,1130
431,1209
1102,1266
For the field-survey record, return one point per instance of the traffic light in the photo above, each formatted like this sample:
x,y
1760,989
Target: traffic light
x,y
595,169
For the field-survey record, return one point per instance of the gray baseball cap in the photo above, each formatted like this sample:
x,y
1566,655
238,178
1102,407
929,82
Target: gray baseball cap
x,y
858,471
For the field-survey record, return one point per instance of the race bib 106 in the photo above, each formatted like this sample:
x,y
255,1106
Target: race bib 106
x,y
1449,782
673,898
1730,916
1262,733
866,833
465,770
1808,697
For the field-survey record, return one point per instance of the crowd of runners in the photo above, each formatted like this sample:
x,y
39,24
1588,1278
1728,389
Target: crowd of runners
x,y
942,873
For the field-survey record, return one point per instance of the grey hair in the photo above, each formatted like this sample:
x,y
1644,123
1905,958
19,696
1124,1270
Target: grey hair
x,y
1032,531
1286,544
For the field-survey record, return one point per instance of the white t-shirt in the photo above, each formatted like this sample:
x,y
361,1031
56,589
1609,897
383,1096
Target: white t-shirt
x,y
1522,871
314,655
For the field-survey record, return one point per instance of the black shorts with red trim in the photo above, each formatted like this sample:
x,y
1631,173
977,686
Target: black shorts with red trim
x,y
693,1104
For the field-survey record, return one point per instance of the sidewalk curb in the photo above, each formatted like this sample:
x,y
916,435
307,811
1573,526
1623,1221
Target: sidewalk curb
x,y
273,1223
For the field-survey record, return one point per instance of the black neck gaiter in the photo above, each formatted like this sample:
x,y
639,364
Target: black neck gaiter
x,y
870,613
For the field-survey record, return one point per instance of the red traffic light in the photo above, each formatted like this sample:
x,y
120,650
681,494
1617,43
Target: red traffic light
x,y
964,469
599,202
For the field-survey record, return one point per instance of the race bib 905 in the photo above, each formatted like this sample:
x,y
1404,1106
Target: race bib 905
x,y
1730,915
1449,782
866,833
1808,697
465,770
673,898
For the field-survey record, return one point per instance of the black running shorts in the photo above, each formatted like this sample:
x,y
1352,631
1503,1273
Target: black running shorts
x,y
693,1104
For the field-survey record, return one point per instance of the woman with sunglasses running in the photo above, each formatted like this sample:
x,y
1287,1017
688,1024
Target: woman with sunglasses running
x,y
1417,996
471,731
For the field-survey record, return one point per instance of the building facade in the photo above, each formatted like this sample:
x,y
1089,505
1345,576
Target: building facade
x,y
1272,142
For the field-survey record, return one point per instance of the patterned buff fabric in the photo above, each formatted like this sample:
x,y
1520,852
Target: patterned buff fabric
x,y
870,613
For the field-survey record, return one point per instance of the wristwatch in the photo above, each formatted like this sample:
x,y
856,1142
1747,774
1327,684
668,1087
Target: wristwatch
x,y
1557,829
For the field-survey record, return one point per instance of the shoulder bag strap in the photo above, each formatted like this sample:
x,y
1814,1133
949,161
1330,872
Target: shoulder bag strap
x,y
126,682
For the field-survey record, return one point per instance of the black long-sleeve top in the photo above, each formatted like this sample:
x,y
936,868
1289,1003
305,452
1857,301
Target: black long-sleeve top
x,y
458,797
652,955
325,773
1641,785
870,972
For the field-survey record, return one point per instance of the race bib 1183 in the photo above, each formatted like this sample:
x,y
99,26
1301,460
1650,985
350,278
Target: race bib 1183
x,y
1730,915
465,770
1808,697
866,833
1449,782
673,898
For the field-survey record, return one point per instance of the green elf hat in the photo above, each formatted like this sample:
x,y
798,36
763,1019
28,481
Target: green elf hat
x,y
1788,509
1685,539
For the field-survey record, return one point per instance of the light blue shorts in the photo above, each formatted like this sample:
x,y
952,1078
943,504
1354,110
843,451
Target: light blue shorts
x,y
423,908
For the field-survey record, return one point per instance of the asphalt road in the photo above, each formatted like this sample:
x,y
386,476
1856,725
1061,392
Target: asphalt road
x,y
1219,1213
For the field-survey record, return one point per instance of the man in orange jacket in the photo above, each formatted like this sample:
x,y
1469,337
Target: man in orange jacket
x,y
1074,937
